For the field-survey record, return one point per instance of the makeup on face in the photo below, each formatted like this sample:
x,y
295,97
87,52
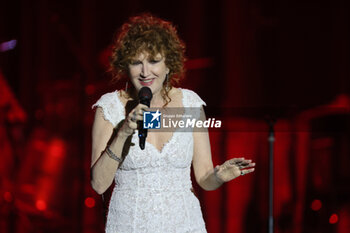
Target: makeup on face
x,y
148,71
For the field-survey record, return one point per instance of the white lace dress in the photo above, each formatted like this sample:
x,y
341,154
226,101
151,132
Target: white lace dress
x,y
153,188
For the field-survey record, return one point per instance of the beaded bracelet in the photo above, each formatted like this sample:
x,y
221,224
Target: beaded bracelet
x,y
112,155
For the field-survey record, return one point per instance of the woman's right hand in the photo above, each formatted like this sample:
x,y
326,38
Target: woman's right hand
x,y
130,124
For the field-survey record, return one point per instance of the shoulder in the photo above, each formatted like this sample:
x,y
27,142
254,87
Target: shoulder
x,y
106,98
111,106
191,98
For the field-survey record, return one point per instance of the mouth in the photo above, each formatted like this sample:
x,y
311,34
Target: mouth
x,y
146,82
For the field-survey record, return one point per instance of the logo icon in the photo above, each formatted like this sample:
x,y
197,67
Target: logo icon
x,y
151,120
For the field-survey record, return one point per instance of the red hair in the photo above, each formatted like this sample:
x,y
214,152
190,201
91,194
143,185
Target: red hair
x,y
147,33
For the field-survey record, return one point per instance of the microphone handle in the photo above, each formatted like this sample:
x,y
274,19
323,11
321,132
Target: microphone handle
x,y
142,131
142,135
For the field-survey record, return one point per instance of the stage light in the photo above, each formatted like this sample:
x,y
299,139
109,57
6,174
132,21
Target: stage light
x,y
316,205
89,202
40,205
333,219
8,45
8,196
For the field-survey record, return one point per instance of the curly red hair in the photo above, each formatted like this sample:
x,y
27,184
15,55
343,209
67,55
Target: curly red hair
x,y
147,33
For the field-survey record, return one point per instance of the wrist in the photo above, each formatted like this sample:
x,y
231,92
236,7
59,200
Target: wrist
x,y
112,155
217,178
122,135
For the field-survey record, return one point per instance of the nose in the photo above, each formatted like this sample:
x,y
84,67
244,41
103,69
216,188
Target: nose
x,y
145,70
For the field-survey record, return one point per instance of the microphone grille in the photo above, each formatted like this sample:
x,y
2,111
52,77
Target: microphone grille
x,y
145,93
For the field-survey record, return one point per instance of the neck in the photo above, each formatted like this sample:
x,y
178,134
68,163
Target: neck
x,y
157,100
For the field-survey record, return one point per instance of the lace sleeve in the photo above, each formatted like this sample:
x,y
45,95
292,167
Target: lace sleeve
x,y
192,103
192,100
112,107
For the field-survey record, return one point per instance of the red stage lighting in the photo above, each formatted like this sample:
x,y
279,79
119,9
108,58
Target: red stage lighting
x,y
40,205
8,196
89,202
333,219
316,205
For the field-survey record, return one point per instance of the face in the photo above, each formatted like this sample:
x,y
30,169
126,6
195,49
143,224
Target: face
x,y
145,71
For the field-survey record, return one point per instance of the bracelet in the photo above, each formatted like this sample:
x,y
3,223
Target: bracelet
x,y
112,155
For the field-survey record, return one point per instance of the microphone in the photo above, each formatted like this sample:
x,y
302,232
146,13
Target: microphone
x,y
145,96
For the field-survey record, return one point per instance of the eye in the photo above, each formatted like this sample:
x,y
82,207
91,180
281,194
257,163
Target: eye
x,y
154,61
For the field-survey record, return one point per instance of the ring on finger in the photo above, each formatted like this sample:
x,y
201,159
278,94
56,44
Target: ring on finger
x,y
242,173
133,118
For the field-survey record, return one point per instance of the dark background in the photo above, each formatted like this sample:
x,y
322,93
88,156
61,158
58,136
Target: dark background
x,y
248,59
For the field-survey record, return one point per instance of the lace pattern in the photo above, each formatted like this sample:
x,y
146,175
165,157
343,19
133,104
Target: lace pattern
x,y
191,99
152,192
111,107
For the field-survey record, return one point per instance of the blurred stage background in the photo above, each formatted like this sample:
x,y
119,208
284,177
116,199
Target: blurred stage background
x,y
248,59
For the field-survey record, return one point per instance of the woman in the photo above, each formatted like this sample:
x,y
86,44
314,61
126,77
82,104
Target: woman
x,y
153,186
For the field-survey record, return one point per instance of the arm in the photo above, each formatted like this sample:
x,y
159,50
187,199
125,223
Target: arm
x,y
103,168
202,161
206,176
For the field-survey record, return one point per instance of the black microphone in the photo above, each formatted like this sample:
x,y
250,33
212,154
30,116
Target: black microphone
x,y
145,96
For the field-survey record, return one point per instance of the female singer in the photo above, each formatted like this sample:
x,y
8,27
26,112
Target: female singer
x,y
152,190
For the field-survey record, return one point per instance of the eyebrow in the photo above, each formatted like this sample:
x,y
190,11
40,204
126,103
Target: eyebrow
x,y
148,58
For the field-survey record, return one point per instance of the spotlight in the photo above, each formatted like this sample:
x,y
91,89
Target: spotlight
x,y
333,219
316,205
8,45
40,205
89,202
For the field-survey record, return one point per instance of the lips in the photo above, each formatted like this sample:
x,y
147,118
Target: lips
x,y
146,82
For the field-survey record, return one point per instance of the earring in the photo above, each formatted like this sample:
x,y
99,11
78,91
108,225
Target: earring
x,y
167,81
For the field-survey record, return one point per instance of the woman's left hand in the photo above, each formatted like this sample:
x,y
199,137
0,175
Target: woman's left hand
x,y
233,168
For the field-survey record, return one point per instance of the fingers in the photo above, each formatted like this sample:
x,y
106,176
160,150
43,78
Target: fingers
x,y
247,164
246,171
137,113
233,168
244,166
133,117
234,161
241,162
